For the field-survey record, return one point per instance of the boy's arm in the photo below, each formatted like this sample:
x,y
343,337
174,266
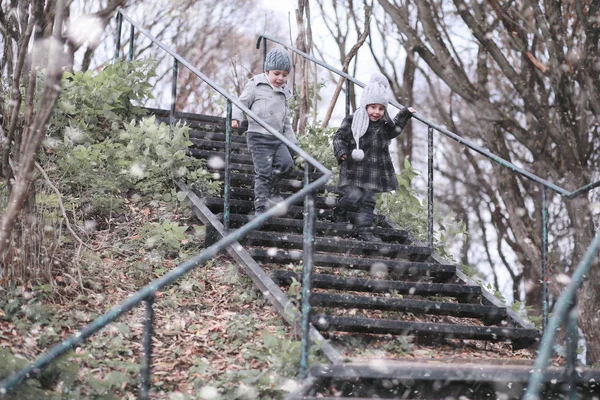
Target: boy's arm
x,y
246,98
342,138
288,132
400,121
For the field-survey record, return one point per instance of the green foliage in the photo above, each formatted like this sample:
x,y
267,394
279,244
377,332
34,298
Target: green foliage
x,y
318,142
92,107
168,235
403,206
143,159
406,209
527,313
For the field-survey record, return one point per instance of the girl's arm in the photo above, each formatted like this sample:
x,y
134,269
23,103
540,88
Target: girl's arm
x,y
400,121
342,137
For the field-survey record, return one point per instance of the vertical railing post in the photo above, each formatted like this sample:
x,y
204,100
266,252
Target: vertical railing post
x,y
572,338
227,187
146,363
264,51
307,261
131,38
173,93
430,187
347,97
118,41
544,258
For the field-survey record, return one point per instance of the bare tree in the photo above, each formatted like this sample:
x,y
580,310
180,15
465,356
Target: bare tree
x,y
215,37
302,66
362,36
51,50
527,86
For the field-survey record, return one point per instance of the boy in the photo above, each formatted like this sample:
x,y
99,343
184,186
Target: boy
x,y
267,95
369,170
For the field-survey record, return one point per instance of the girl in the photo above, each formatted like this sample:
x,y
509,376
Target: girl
x,y
366,135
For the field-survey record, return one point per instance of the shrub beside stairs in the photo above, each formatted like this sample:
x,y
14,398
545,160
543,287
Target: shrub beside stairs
x,y
369,294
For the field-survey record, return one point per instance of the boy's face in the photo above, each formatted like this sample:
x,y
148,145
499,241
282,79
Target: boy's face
x,y
375,111
277,78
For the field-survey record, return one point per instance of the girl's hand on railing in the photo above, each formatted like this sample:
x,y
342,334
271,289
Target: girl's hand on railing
x,y
412,110
342,158
235,123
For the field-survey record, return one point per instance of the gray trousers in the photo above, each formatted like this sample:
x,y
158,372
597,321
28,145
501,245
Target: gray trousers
x,y
361,200
272,162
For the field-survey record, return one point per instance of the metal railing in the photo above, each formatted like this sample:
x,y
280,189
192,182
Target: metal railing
x,y
566,302
147,294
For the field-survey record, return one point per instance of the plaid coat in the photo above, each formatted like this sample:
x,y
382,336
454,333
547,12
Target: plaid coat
x,y
376,171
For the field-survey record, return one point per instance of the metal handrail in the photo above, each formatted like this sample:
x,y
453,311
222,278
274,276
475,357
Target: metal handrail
x,y
148,292
231,98
443,130
565,302
560,312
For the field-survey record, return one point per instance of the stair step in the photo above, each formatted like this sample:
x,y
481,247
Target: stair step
x,y
521,337
208,154
215,204
491,315
247,207
439,272
446,370
326,281
205,144
346,246
440,379
249,169
248,195
324,228
216,136
291,185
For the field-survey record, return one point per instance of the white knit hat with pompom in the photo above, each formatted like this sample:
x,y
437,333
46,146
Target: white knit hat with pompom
x,y
377,91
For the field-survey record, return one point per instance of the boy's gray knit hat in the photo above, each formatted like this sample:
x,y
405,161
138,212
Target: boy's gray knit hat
x,y
377,91
278,60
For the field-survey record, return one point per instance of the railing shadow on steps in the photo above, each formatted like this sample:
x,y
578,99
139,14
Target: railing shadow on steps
x,y
566,304
146,295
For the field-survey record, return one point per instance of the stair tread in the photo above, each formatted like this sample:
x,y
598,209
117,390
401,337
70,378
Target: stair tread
x,y
323,242
367,263
327,281
237,206
206,144
207,154
293,185
326,322
320,226
443,370
340,300
216,136
245,168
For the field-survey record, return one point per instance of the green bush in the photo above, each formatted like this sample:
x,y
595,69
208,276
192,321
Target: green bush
x,y
92,107
404,208
102,153
143,159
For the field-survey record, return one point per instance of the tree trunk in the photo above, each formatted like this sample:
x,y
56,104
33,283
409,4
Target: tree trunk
x,y
404,142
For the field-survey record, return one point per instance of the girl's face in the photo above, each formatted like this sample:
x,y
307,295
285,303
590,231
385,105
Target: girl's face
x,y
375,111
277,78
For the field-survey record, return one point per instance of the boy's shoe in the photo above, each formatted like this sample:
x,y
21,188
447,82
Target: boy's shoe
x,y
369,236
340,215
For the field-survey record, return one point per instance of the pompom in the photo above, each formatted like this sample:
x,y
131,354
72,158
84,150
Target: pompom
x,y
379,79
358,155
